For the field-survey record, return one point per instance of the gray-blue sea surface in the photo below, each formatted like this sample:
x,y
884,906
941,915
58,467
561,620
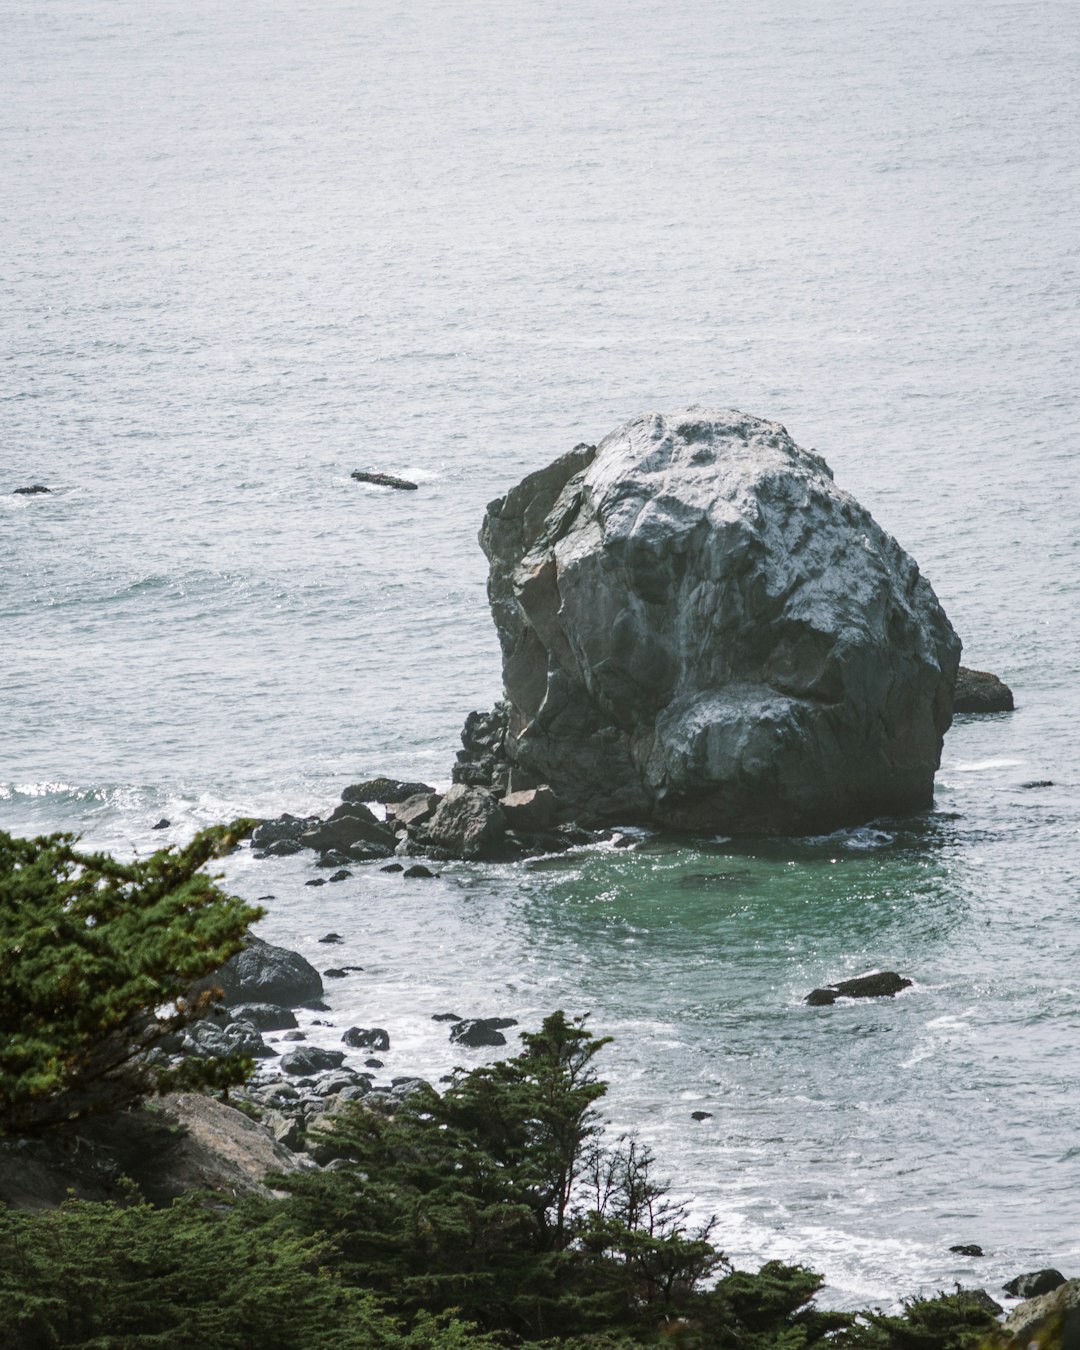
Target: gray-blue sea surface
x,y
248,248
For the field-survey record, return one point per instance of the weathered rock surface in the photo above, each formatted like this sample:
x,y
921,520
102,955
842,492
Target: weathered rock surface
x,y
699,629
1052,1321
262,973
265,1016
882,984
415,810
468,822
184,1142
533,809
977,691
206,1040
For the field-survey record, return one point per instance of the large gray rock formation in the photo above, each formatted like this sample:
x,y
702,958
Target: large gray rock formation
x,y
700,629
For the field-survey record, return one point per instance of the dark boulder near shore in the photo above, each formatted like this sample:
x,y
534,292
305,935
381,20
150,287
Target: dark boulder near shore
x,y
35,490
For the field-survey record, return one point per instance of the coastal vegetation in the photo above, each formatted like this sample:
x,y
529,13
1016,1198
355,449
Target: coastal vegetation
x,y
495,1213
99,957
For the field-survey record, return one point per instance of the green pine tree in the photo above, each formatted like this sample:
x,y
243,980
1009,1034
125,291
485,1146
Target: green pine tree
x,y
97,959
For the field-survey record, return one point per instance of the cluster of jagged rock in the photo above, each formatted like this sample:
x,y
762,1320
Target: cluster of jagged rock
x,y
478,817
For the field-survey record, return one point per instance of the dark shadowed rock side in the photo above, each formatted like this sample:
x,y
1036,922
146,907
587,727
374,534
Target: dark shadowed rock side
x,y
700,630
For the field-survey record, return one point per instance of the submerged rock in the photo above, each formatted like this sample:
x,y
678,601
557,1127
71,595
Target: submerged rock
x,y
367,1038
699,629
882,984
977,691
34,490
350,824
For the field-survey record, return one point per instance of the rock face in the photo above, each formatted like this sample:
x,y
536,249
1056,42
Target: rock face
x,y
180,1143
700,630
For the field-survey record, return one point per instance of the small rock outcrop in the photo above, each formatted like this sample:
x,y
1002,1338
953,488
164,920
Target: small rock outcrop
x,y
700,630
881,984
977,691
481,1032
34,490
182,1142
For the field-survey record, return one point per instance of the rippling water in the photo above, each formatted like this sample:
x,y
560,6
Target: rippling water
x,y
249,248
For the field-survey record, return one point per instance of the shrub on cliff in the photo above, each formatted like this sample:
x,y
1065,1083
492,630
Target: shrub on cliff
x,y
97,958
117,1277
498,1198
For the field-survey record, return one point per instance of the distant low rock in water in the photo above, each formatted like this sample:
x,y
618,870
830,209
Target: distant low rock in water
x,y
881,984
35,490
383,480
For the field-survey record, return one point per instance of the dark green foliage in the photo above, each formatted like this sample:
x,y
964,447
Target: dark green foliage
x,y
492,1215
111,1278
949,1322
97,958
497,1198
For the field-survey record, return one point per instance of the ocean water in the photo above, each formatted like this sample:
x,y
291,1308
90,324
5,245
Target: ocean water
x,y
249,248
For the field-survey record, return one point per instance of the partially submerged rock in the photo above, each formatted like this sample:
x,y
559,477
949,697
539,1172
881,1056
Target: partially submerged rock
x,y
699,629
881,984
1051,1321
481,1032
34,490
978,691
383,480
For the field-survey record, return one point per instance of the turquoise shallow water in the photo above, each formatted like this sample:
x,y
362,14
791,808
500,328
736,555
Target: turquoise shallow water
x,y
247,249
